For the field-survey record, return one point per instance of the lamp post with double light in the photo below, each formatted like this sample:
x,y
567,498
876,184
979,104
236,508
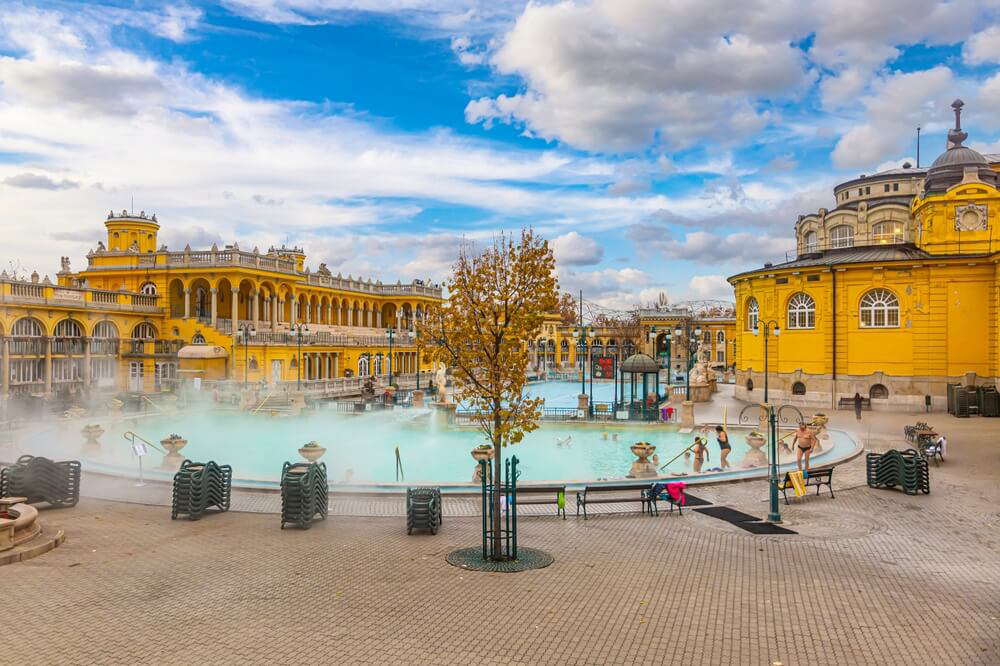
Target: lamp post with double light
x,y
771,327
246,331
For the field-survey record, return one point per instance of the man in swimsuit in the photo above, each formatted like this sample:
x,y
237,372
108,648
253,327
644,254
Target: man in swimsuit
x,y
804,442
724,446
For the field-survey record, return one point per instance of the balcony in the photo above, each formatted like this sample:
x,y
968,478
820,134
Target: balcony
x,y
13,292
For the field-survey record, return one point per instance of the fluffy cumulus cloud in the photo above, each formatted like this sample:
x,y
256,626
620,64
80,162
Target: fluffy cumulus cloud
x,y
897,104
741,247
710,287
618,75
983,47
572,249
39,182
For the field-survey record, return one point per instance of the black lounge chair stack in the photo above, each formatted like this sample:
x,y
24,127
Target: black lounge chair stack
x,y
423,509
304,493
42,480
906,469
198,486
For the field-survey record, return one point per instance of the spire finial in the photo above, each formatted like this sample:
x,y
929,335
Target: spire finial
x,y
956,136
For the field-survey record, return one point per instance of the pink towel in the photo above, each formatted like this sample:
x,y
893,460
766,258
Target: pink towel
x,y
676,491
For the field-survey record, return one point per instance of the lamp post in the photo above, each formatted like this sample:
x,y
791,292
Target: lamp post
x,y
693,344
390,333
774,515
580,335
299,330
769,328
245,331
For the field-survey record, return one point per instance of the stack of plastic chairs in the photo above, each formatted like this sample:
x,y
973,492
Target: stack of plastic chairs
x,y
42,480
304,493
423,509
906,469
198,486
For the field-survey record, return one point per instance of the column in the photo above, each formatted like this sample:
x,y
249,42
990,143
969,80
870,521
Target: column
x,y
48,365
329,313
279,314
236,310
5,366
274,312
308,313
368,315
336,364
86,363
187,302
350,315
314,366
399,319
294,310
254,318
378,318
215,307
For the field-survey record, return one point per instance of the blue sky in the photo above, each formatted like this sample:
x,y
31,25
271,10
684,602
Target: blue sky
x,y
660,145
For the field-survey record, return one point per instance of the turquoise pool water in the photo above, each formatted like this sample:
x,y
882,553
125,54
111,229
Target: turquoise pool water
x,y
361,449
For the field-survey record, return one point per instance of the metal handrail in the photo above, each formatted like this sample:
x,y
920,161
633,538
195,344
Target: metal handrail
x,y
131,437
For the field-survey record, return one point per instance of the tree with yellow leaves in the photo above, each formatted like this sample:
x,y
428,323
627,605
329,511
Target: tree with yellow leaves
x,y
496,303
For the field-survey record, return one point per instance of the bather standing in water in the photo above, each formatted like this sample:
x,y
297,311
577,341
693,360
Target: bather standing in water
x,y
700,454
724,446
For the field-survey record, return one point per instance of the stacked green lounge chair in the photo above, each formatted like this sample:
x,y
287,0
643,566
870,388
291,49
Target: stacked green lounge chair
x,y
42,480
906,469
423,509
304,493
198,486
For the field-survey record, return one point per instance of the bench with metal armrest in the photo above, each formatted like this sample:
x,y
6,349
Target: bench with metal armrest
x,y
814,477
602,495
545,495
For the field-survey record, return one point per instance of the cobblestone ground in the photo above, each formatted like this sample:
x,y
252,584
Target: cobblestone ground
x,y
873,577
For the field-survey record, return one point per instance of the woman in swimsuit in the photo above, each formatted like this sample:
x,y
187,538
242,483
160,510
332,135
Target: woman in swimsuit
x,y
804,442
724,446
700,454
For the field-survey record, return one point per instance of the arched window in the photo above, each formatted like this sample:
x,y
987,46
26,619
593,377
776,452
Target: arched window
x,y
801,311
798,388
144,331
842,235
69,328
707,338
809,241
253,362
878,392
27,327
885,233
749,384
148,288
753,312
363,366
879,309
720,338
198,339
105,330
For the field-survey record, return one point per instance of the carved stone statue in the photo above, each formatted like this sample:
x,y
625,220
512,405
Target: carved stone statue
x,y
441,381
100,246
64,261
134,247
323,270
701,373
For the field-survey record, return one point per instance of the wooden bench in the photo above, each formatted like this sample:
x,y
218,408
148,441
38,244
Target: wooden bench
x,y
550,496
586,496
848,403
817,477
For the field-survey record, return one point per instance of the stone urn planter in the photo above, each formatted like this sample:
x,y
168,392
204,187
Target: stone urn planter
x,y
173,445
312,451
820,419
755,457
642,468
480,453
91,433
115,406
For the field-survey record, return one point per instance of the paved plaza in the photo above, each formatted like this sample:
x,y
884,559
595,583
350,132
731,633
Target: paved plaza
x,y
872,577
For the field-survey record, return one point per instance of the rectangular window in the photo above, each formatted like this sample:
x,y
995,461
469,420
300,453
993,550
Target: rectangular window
x,y
720,357
861,191
781,281
868,190
812,278
887,187
895,187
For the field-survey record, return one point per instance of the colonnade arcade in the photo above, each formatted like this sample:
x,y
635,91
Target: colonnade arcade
x,y
328,365
267,304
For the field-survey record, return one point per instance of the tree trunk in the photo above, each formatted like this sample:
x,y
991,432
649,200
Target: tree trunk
x,y
497,486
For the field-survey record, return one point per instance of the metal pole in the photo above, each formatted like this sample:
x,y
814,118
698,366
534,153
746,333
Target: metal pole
x,y
774,515
390,356
298,361
766,326
687,375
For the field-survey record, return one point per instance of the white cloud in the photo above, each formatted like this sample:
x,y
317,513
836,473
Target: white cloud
x,y
572,249
618,76
983,47
708,287
620,289
898,103
39,182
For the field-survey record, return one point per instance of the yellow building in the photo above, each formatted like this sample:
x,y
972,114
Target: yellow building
x,y
558,350
892,294
120,323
